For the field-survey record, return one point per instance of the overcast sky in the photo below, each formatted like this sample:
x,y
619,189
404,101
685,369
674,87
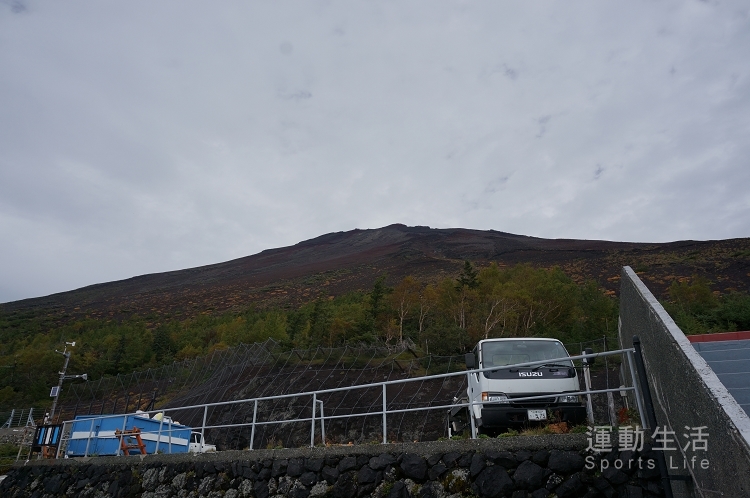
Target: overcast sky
x,y
141,136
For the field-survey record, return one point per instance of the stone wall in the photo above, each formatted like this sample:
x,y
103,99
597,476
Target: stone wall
x,y
518,467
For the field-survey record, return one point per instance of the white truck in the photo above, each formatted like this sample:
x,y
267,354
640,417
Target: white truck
x,y
494,392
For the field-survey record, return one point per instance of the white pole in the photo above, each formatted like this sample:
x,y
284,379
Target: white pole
x,y
587,379
385,433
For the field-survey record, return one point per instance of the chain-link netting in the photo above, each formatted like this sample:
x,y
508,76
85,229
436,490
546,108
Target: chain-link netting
x,y
262,370
266,369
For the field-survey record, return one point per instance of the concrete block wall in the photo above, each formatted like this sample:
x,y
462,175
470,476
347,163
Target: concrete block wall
x,y
687,394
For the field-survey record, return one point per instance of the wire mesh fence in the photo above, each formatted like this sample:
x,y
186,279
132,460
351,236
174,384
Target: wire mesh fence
x,y
266,369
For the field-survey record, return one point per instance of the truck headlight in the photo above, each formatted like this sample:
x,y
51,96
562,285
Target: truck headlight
x,y
495,397
569,398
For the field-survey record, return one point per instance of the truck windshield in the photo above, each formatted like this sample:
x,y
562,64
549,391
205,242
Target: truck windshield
x,y
502,353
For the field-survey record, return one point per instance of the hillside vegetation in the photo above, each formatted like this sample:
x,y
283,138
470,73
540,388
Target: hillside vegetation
x,y
366,286
697,309
443,317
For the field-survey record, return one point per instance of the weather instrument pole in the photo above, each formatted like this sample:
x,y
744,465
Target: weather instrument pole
x,y
55,393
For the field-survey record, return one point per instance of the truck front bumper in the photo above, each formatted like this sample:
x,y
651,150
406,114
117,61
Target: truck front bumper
x,y
513,416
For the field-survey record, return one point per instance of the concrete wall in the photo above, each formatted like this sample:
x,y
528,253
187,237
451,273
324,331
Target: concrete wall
x,y
518,467
687,393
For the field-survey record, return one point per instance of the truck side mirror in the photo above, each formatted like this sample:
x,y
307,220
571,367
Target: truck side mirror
x,y
589,361
470,361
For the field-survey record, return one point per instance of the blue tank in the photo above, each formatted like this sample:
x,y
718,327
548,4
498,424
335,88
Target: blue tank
x,y
94,435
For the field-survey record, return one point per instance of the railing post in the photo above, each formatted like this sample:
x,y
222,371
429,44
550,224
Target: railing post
x,y
203,427
124,423
60,450
385,429
169,432
88,441
471,408
587,383
158,435
322,423
312,426
634,377
252,431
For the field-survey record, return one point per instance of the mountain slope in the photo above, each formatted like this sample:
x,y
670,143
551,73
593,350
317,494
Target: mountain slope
x,y
345,261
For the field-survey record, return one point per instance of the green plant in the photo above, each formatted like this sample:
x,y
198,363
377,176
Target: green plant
x,y
536,431
509,433
273,443
8,454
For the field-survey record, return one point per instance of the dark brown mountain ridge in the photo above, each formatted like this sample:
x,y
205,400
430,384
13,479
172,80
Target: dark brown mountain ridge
x,y
341,262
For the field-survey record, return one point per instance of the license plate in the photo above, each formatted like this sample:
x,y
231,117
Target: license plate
x,y
537,414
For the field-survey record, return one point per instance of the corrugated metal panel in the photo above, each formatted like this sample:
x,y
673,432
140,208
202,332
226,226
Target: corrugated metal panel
x,y
730,360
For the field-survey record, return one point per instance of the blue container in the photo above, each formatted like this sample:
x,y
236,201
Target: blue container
x,y
94,435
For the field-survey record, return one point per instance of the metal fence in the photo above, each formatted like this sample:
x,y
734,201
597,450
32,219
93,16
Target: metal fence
x,y
20,418
313,410
255,370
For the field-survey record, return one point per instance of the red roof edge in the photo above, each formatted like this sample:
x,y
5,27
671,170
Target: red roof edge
x,y
722,336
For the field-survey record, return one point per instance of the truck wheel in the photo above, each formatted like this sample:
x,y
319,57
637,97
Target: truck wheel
x,y
458,423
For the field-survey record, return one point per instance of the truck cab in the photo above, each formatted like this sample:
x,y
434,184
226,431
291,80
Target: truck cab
x,y
494,391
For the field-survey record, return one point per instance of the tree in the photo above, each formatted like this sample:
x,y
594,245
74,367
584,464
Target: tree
x,y
468,277
189,351
162,346
734,312
494,301
320,321
403,298
693,297
447,339
375,315
427,299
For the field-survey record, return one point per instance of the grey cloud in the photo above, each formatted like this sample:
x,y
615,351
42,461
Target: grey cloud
x,y
598,172
542,122
16,6
132,144
497,184
286,48
299,95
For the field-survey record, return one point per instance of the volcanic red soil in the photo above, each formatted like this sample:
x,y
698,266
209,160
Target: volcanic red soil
x,y
346,261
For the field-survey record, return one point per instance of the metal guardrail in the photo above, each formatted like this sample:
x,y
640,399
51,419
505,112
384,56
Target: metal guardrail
x,y
19,418
383,412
